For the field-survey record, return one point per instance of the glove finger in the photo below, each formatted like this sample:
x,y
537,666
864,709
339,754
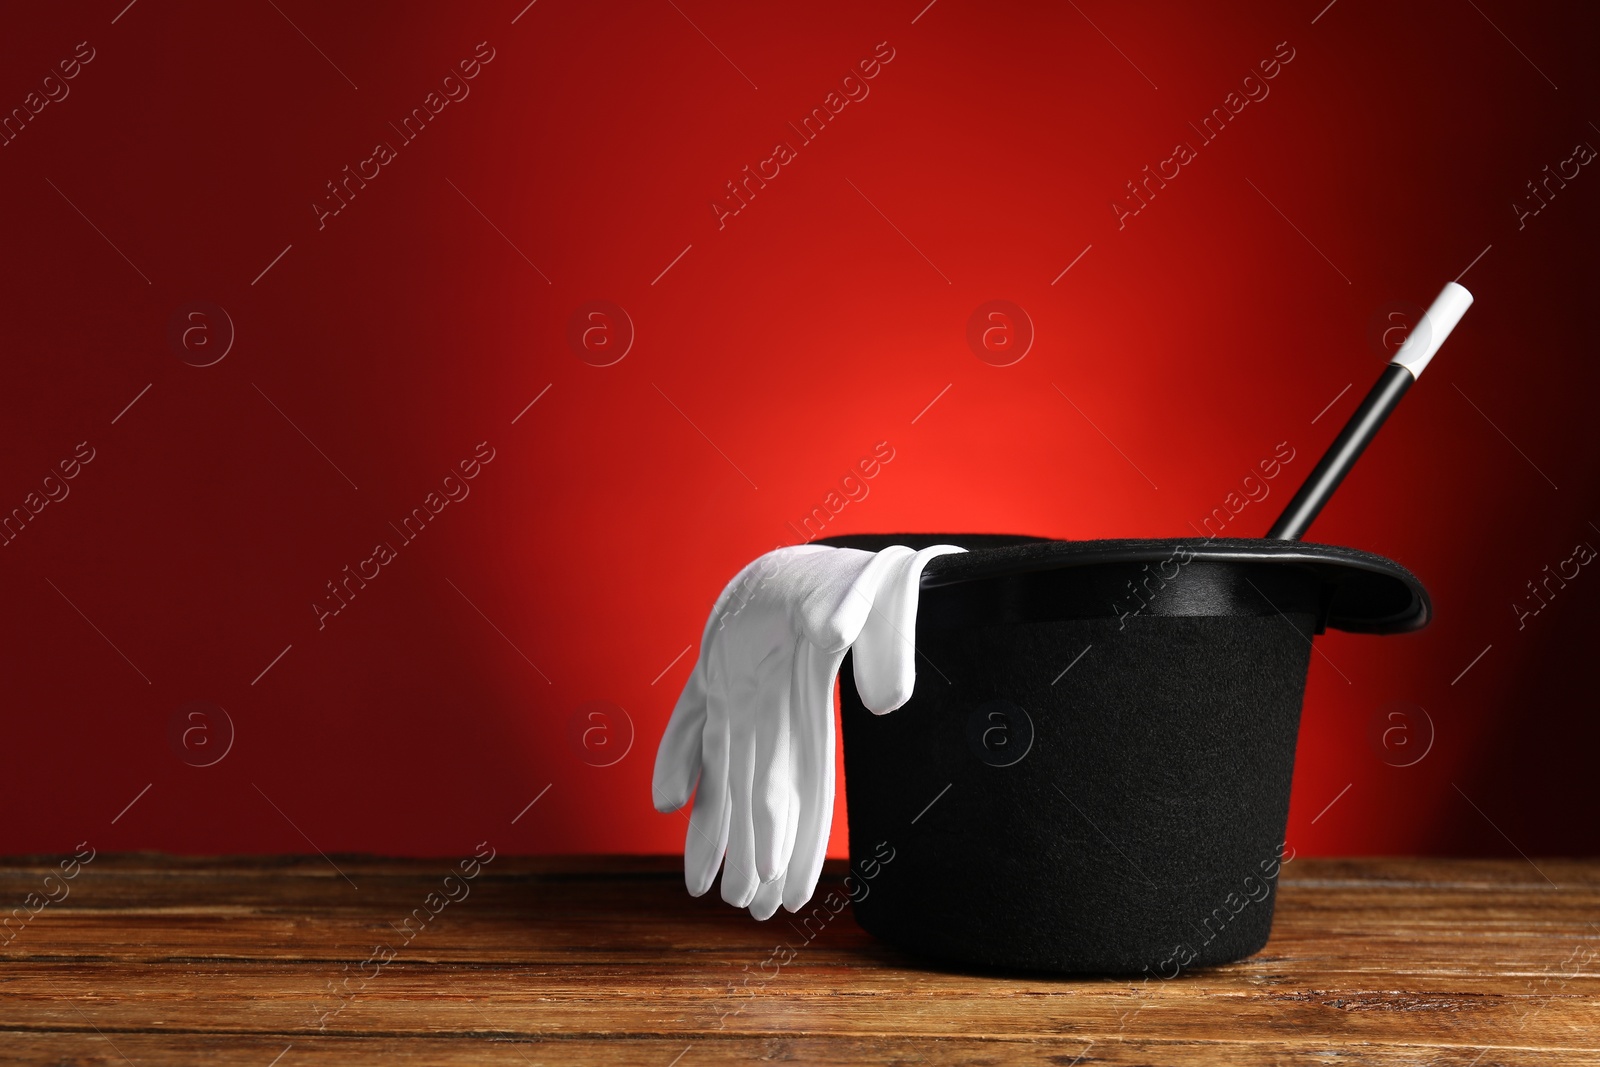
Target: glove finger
x,y
678,756
886,652
768,896
813,740
743,692
771,777
707,837
739,880
792,824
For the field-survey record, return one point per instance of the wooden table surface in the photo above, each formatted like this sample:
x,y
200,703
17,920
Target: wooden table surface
x,y
149,960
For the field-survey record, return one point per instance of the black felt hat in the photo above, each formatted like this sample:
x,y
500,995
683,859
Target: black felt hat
x,y
1092,775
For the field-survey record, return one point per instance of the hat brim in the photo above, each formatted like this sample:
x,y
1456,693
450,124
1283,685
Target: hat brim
x,y
1365,592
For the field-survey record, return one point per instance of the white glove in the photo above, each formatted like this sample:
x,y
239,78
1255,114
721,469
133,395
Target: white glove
x,y
754,725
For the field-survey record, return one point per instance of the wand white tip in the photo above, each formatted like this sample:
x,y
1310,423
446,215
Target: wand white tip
x,y
1426,337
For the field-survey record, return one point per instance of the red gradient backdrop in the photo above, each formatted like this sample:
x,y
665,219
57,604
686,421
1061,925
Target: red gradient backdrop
x,y
377,347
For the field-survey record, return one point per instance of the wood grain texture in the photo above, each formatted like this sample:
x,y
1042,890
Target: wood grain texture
x,y
155,960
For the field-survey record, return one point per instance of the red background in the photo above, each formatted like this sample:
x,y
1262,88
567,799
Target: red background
x,y
817,322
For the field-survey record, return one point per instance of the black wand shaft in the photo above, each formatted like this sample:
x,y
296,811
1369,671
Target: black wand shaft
x,y
1342,454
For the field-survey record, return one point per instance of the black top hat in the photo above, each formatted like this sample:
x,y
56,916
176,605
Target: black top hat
x,y
1093,772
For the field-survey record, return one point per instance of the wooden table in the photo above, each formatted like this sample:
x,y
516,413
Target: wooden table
x,y
151,960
